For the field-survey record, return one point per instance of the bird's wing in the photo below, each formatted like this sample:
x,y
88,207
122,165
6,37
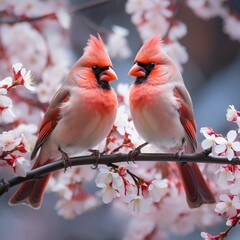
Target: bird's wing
x,y
50,118
186,116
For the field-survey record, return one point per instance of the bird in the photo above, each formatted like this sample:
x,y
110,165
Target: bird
x,y
162,112
80,115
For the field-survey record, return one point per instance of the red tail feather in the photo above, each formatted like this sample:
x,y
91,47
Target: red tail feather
x,y
31,193
196,188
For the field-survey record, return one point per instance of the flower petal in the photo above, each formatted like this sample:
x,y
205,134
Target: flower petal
x,y
231,136
230,154
236,146
220,148
220,140
206,143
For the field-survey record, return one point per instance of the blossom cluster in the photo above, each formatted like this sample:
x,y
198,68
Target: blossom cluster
x,y
15,148
137,192
20,77
16,144
158,17
228,146
207,9
37,44
228,176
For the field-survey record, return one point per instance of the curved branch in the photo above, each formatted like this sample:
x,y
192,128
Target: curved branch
x,y
201,157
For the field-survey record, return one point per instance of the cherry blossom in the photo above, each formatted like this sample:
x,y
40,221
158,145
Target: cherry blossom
x,y
178,52
118,38
207,236
207,8
227,146
123,94
225,176
225,206
210,139
121,121
70,208
9,141
156,189
233,115
178,30
232,27
32,44
7,115
22,76
139,205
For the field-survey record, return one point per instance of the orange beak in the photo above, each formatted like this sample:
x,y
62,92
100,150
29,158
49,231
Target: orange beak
x,y
137,71
108,75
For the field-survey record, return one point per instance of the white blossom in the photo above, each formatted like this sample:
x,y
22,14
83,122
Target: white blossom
x,y
225,206
179,30
232,27
121,121
117,44
156,189
9,141
70,208
177,52
22,166
139,205
227,146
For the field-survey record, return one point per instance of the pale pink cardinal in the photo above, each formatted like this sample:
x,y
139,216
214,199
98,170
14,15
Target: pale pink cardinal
x,y
80,115
162,112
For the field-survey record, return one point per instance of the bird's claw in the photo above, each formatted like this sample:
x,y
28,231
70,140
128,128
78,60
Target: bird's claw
x,y
179,154
97,155
65,159
133,153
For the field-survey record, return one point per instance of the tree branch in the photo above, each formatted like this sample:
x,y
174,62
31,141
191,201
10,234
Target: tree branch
x,y
37,173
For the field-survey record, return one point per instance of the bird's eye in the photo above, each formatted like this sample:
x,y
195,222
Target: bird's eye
x,y
94,67
152,64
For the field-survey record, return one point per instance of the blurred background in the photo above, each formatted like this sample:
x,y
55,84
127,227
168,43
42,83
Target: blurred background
x,y
212,76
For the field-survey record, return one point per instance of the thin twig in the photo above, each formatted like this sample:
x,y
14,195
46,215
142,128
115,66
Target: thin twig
x,y
14,19
110,159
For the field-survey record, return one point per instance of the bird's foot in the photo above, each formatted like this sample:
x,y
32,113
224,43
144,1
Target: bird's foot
x,y
133,153
97,155
179,154
65,159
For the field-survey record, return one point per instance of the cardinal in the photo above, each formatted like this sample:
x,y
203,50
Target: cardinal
x,y
80,115
162,112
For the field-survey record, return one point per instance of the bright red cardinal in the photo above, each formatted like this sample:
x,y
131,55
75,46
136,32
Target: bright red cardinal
x,y
80,115
162,112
